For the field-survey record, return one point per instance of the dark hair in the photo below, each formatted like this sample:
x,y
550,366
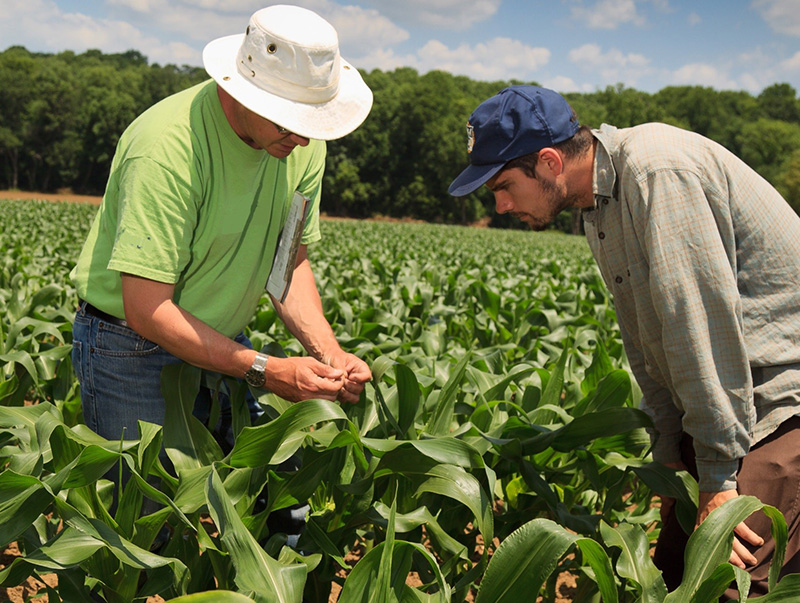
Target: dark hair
x,y
571,147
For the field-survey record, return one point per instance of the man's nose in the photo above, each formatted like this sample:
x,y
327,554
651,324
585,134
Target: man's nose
x,y
502,203
299,140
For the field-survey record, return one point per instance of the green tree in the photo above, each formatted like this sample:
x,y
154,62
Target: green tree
x,y
17,66
779,101
52,141
791,180
625,107
766,144
107,109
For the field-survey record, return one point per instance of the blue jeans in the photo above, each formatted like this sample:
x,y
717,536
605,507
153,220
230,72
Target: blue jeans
x,y
120,377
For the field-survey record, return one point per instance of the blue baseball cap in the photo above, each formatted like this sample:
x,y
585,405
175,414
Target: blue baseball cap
x,y
517,121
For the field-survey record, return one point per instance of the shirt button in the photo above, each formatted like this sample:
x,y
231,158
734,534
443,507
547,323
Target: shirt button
x,y
601,235
618,279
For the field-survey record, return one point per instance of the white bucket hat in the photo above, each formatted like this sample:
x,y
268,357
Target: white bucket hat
x,y
287,68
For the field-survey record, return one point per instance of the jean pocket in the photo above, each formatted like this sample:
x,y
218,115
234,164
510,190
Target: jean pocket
x,y
116,340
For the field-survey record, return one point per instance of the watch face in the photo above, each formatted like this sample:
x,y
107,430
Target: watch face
x,y
255,377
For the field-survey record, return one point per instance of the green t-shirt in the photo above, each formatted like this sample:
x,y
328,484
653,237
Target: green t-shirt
x,y
189,203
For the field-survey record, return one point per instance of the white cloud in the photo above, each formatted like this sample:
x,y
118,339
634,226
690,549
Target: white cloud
x,y
140,6
198,24
607,14
694,19
561,83
499,58
792,63
384,59
495,59
182,28
662,5
751,83
442,14
613,65
219,6
362,30
57,30
758,68
703,74
359,29
782,15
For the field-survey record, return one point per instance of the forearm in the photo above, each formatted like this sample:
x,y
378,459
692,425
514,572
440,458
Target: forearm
x,y
150,311
159,319
302,313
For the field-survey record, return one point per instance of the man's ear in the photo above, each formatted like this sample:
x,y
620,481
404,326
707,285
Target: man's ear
x,y
551,160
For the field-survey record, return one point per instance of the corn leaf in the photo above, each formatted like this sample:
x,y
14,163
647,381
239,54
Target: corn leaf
x,y
634,561
441,420
257,574
710,544
523,561
189,444
213,596
257,445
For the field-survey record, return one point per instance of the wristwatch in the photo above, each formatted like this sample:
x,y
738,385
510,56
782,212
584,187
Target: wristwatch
x,y
255,375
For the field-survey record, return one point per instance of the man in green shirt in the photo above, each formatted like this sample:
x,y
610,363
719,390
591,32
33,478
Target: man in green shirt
x,y
183,244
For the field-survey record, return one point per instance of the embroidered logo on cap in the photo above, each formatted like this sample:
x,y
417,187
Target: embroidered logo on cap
x,y
470,137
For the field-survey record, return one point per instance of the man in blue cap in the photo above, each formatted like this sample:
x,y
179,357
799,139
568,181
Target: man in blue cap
x,y
705,289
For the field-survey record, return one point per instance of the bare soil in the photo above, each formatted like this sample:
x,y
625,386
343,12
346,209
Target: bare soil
x,y
66,196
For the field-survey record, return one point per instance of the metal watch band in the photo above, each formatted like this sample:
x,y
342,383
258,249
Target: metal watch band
x,y
255,374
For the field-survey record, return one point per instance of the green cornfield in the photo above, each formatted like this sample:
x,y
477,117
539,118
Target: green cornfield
x,y
498,449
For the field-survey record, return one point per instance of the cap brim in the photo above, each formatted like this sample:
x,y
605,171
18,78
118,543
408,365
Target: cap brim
x,y
322,121
472,178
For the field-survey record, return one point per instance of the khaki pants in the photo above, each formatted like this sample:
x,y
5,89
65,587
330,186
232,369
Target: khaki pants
x,y
771,473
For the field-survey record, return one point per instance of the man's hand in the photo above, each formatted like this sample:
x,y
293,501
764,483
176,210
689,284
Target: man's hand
x,y
739,555
356,374
303,378
707,503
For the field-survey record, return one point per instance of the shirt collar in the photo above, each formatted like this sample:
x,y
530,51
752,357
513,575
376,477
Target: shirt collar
x,y
604,179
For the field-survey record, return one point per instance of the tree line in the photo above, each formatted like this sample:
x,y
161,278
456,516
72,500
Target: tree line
x,y
61,116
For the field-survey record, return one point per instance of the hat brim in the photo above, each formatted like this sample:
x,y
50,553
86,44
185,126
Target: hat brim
x,y
472,178
322,121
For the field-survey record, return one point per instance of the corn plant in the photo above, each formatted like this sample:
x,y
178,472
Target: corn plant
x,y
498,446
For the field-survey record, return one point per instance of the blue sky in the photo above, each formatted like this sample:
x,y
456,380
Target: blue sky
x,y
568,45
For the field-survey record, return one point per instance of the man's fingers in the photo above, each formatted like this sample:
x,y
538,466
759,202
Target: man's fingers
x,y
744,532
360,374
740,555
345,396
351,391
328,372
328,384
736,560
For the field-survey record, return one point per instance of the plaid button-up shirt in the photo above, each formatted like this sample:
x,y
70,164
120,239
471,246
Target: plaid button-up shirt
x,y
702,257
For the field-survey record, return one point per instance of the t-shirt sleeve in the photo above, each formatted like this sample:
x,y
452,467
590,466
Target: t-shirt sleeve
x,y
311,187
156,221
